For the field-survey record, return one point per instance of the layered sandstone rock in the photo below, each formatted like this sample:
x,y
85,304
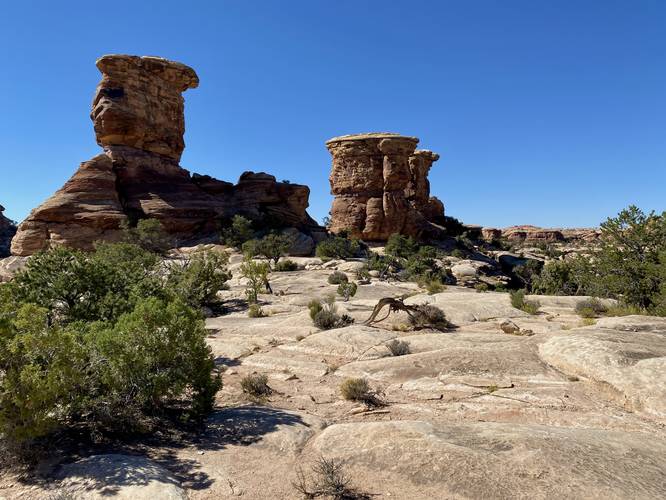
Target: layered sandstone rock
x,y
138,116
534,234
7,231
380,183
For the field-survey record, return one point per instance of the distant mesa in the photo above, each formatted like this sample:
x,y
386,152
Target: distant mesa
x,y
7,232
138,116
534,234
380,183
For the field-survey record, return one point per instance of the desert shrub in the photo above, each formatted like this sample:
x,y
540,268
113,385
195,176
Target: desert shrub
x,y
347,290
398,347
427,315
199,277
457,253
325,315
363,275
590,308
561,277
481,287
588,321
338,247
624,310
314,306
337,277
355,389
433,286
286,265
255,311
256,275
238,233
150,235
103,375
528,272
329,481
274,245
400,247
256,385
519,302
384,264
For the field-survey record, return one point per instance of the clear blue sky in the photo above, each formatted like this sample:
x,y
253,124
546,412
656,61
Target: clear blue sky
x,y
549,112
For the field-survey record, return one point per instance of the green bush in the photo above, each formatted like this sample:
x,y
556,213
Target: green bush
x,y
481,287
347,290
255,311
434,286
400,247
337,277
104,375
590,308
199,277
519,302
338,247
256,275
325,315
238,233
273,246
286,266
314,306
150,235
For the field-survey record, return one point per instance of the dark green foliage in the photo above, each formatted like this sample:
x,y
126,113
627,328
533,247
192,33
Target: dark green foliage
x,y
590,308
200,276
528,272
338,247
562,277
274,245
106,339
238,233
401,247
149,235
326,319
256,276
453,226
314,306
337,277
519,302
481,287
347,290
286,266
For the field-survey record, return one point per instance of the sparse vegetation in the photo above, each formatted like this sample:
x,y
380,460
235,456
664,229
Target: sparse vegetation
x,y
347,290
398,347
429,316
238,233
355,389
481,287
255,311
434,286
337,277
590,308
256,385
329,481
338,247
150,235
256,274
519,302
324,315
286,266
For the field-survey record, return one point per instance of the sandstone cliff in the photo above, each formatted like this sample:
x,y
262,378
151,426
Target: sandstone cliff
x,y
7,231
534,234
138,116
380,183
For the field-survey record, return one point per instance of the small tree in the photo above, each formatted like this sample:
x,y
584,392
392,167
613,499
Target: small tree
x,y
150,235
274,245
347,290
400,246
256,274
338,247
239,232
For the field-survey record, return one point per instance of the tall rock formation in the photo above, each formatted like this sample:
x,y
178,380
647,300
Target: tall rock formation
x,y
7,231
138,116
380,183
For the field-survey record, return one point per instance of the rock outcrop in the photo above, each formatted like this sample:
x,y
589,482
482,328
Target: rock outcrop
x,y
534,234
7,231
380,184
138,116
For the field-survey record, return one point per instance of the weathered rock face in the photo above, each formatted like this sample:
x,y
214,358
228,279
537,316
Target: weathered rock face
x,y
534,234
7,231
381,187
138,118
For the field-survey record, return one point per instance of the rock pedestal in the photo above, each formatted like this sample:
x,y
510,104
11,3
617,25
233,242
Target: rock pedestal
x,y
380,184
138,116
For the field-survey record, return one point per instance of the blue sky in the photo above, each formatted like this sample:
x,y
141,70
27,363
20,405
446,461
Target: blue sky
x,y
544,112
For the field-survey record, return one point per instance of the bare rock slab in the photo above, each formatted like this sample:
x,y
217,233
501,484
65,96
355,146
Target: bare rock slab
x,y
416,459
122,477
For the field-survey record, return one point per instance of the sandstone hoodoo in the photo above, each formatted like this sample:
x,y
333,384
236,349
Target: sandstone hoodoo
x,y
380,183
138,116
7,231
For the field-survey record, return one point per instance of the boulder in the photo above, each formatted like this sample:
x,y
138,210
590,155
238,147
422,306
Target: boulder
x,y
302,245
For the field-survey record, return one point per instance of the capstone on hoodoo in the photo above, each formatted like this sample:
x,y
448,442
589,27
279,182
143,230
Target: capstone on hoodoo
x,y
138,116
380,183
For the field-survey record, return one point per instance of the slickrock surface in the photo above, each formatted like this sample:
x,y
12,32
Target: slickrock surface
x,y
567,411
138,116
7,231
380,184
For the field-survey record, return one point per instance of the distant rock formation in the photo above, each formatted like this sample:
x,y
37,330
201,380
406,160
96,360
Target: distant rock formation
x,y
534,234
380,183
7,231
138,115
